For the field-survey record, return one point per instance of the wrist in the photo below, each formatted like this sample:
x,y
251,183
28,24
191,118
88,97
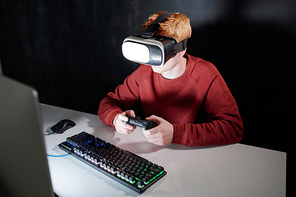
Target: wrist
x,y
177,133
110,118
114,120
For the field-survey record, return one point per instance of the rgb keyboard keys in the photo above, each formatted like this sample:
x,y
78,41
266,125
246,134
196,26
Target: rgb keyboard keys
x,y
128,168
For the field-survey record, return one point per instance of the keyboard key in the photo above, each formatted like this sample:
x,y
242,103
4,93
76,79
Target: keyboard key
x,y
140,183
132,178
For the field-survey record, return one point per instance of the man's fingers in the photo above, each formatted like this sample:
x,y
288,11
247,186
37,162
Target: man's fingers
x,y
122,117
162,134
127,126
131,113
121,126
152,131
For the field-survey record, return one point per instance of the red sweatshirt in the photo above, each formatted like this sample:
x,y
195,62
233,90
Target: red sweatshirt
x,y
198,103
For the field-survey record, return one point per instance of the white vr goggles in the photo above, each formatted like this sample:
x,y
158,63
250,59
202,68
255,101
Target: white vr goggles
x,y
149,49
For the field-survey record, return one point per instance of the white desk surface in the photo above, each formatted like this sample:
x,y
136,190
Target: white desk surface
x,y
231,170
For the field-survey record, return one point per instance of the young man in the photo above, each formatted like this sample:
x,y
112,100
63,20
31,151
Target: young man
x,y
187,97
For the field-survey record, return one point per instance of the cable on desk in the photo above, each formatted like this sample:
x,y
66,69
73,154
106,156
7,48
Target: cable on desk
x,y
57,155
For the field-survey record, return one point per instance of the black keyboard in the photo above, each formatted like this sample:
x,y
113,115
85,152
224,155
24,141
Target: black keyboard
x,y
129,169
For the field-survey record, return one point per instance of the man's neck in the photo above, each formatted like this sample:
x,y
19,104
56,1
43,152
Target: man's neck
x,y
177,71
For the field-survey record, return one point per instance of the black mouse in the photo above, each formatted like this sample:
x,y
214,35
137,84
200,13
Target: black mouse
x,y
62,126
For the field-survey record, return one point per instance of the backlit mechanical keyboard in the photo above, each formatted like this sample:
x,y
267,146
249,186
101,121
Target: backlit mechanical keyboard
x,y
121,165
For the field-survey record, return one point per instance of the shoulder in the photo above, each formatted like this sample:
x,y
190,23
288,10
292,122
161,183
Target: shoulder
x,y
200,65
201,69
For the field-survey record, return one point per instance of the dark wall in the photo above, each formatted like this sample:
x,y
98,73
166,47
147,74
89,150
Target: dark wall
x,y
70,51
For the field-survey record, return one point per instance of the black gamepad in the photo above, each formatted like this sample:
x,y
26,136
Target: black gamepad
x,y
145,124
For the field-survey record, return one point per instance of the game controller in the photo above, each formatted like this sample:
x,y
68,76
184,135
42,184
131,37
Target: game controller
x,y
145,124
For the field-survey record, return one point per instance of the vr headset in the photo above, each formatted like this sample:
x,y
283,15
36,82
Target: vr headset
x,y
150,49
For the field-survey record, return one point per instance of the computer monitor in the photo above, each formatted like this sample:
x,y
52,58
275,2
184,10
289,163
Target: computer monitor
x,y
23,167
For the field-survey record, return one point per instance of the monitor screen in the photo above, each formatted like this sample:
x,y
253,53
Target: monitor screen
x,y
23,168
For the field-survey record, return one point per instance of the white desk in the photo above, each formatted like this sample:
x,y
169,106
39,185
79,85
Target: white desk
x,y
232,170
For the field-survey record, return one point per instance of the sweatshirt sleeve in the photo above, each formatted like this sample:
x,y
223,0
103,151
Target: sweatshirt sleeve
x,y
123,98
224,126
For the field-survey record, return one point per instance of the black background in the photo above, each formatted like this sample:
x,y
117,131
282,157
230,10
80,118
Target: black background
x,y
70,51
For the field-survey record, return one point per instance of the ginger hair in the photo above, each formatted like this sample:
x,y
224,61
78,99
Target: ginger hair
x,y
176,26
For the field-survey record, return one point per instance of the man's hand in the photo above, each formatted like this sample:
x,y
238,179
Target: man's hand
x,y
162,134
121,127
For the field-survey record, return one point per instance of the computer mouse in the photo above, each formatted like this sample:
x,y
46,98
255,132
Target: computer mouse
x,y
62,126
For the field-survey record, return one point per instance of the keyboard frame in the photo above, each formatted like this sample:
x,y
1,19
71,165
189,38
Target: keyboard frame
x,y
68,148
